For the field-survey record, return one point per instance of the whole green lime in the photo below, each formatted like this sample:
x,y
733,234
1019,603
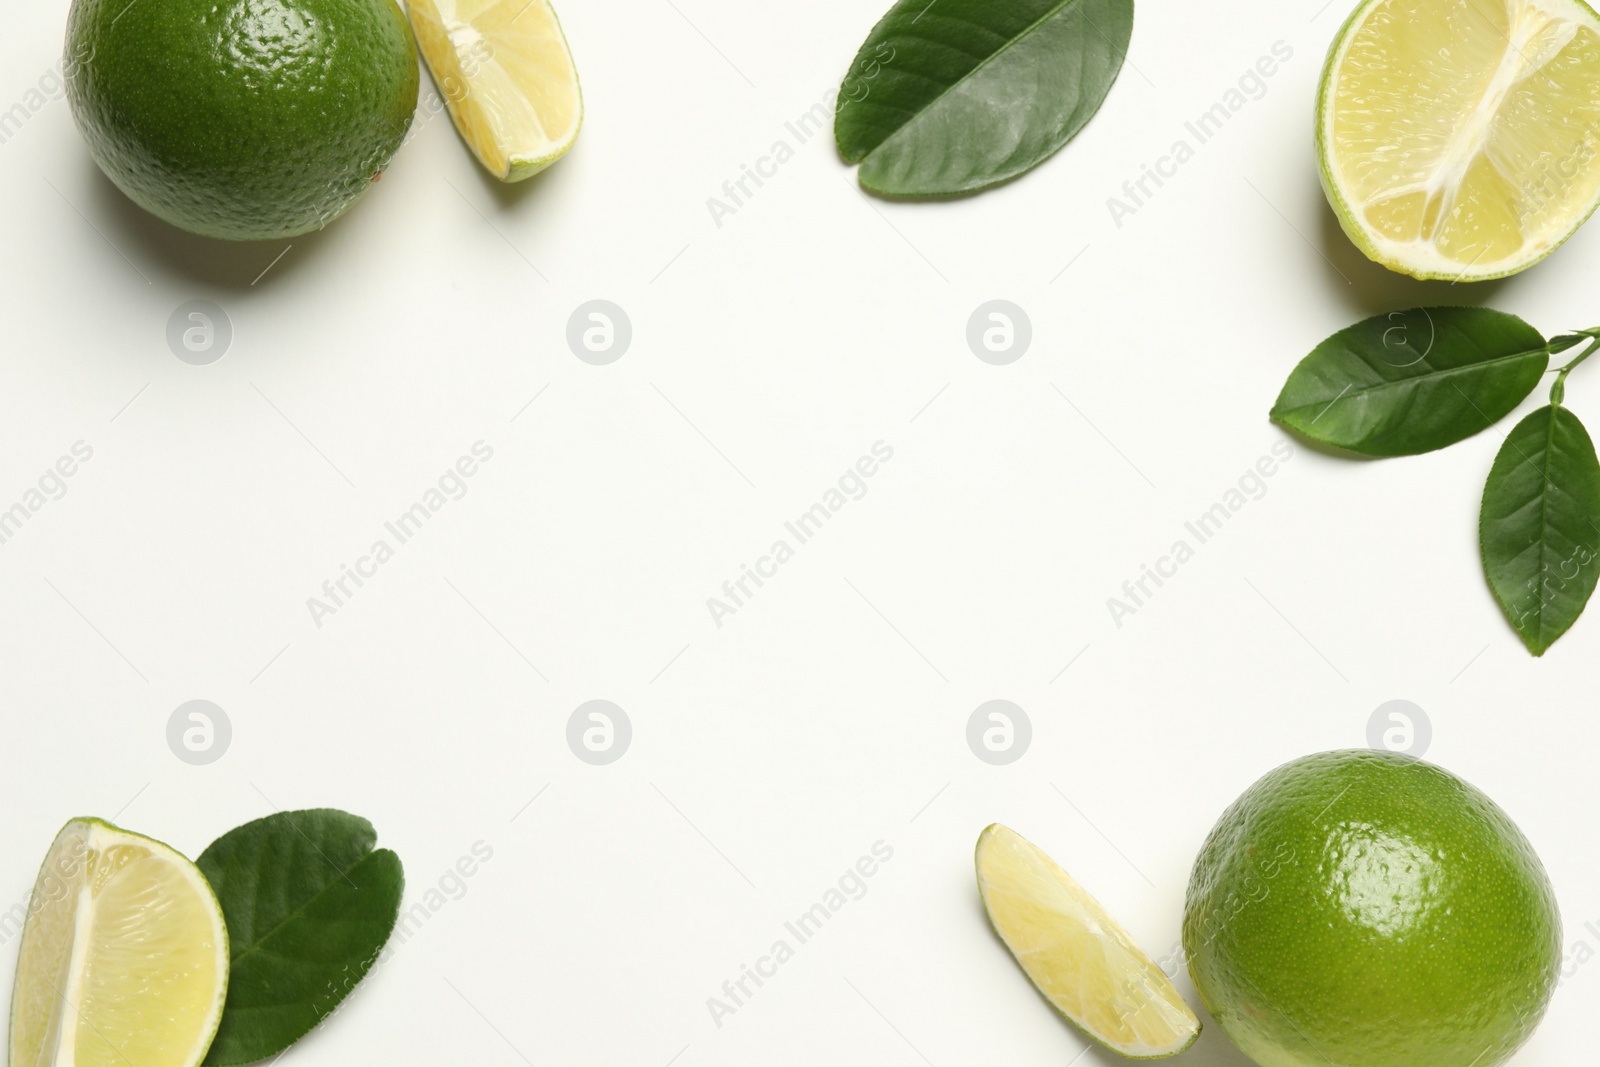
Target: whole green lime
x,y
241,119
1367,909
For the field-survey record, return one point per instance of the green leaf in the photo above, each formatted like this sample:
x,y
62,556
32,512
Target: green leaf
x,y
309,905
1413,381
1540,525
953,96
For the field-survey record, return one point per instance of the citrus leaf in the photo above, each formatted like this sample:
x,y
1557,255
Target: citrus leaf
x,y
953,96
309,905
1413,381
1540,525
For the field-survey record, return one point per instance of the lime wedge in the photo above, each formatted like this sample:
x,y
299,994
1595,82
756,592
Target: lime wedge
x,y
124,956
1081,960
1458,138
507,76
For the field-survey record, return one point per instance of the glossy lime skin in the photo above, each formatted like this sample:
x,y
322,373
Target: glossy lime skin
x,y
241,119
1366,909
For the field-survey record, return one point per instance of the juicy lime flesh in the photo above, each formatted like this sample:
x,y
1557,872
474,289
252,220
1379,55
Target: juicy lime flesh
x,y
1460,136
507,76
123,960
242,119
1076,954
1365,909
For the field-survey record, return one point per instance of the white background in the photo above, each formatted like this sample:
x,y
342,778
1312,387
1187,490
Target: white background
x,y
829,713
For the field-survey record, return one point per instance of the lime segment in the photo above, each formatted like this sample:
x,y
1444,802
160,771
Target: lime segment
x,y
124,956
1080,959
507,76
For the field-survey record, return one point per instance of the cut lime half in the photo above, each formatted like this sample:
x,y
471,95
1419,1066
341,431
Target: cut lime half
x,y
1076,954
1460,139
124,957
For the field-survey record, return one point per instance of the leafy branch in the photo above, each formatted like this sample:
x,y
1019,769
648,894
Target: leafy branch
x,y
1415,381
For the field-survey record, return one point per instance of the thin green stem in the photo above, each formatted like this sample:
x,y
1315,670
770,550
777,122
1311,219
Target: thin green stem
x,y
1558,391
